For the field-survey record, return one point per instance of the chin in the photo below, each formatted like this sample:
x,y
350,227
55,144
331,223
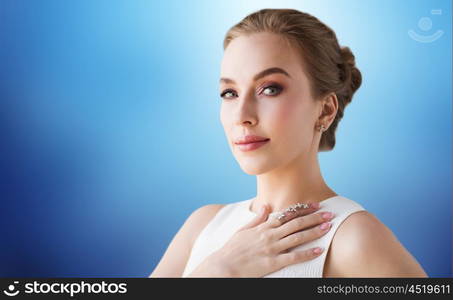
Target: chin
x,y
254,167
252,172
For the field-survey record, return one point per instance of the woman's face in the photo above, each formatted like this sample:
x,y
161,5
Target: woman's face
x,y
275,106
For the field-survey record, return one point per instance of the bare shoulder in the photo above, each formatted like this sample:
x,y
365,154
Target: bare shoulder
x,y
175,258
200,218
365,247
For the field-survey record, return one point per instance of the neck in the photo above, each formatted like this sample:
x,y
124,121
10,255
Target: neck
x,y
299,181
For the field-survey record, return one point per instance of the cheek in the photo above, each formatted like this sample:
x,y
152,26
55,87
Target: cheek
x,y
225,119
223,116
289,116
291,123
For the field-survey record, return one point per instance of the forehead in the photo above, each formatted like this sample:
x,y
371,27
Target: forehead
x,y
247,55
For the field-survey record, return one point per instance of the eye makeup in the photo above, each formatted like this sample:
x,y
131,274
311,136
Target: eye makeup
x,y
266,86
271,85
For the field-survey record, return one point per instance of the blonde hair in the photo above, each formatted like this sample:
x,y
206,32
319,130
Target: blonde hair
x,y
330,68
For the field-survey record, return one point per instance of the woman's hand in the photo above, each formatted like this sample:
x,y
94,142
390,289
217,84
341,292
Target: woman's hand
x,y
262,246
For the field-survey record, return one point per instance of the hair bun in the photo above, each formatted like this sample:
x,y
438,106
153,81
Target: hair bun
x,y
347,56
350,75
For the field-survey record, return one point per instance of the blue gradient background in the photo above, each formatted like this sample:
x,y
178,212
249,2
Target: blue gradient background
x,y
110,130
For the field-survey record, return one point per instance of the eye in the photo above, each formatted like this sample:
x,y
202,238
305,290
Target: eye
x,y
274,90
224,93
270,90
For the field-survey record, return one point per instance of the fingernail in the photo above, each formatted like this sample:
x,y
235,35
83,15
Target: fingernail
x,y
315,205
318,250
325,225
327,215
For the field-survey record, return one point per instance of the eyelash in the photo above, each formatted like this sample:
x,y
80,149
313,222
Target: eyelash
x,y
276,86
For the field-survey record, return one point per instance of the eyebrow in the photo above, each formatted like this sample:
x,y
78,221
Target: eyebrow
x,y
260,74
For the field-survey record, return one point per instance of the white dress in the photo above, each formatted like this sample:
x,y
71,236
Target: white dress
x,y
235,215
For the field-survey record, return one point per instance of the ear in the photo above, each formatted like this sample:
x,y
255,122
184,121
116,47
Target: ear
x,y
328,110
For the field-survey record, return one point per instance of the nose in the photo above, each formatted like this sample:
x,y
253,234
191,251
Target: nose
x,y
246,113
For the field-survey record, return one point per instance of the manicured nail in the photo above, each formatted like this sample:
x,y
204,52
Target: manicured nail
x,y
325,225
327,215
315,205
317,250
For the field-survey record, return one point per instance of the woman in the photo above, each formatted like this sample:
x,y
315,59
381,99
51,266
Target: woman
x,y
285,83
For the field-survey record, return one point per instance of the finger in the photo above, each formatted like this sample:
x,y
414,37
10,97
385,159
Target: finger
x,y
302,222
297,256
261,217
302,237
289,214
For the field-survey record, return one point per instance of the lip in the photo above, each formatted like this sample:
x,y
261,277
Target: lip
x,y
251,142
250,139
251,146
